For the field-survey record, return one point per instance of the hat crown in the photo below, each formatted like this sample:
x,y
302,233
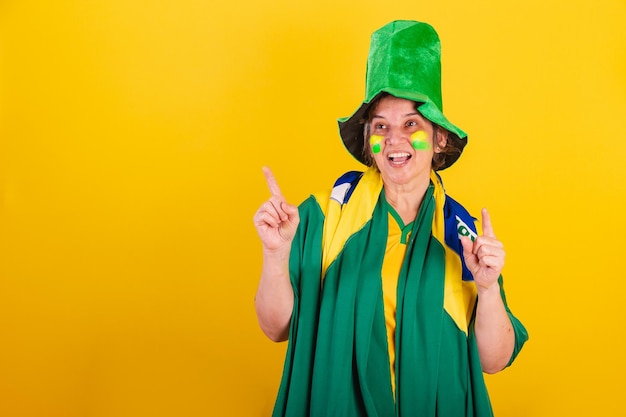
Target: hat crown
x,y
405,55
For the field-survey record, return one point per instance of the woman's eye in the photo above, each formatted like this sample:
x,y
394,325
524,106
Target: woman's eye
x,y
411,123
379,126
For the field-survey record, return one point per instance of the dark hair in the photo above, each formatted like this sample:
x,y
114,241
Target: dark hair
x,y
450,151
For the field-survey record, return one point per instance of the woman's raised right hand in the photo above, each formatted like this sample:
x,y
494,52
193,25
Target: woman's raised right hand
x,y
276,221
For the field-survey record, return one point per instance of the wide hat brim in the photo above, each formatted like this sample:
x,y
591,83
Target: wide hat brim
x,y
351,127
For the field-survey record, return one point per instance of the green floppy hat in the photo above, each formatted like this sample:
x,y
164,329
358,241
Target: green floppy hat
x,y
405,61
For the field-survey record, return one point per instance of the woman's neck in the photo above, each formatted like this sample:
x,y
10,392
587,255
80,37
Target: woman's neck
x,y
406,199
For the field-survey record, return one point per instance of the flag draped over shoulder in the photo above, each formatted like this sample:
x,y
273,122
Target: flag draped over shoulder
x,y
337,362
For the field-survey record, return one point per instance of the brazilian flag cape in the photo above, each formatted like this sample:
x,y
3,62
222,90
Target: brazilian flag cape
x,y
337,361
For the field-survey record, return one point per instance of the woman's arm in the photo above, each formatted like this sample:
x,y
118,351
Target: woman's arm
x,y
274,297
276,222
494,332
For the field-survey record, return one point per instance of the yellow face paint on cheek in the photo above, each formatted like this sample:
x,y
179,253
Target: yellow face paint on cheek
x,y
375,141
419,140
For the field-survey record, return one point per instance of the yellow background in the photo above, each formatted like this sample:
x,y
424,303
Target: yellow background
x,y
132,135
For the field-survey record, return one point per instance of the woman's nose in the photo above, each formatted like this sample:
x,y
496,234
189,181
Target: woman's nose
x,y
395,136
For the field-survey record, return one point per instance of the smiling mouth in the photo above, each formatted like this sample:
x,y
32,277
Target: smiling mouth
x,y
399,158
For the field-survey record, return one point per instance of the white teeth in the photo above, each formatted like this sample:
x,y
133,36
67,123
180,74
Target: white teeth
x,y
399,155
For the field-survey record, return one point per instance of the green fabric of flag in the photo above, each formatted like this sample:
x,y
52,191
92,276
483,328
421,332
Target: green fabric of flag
x,y
337,361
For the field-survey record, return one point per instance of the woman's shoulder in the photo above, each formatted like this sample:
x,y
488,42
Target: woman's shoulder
x,y
340,192
459,217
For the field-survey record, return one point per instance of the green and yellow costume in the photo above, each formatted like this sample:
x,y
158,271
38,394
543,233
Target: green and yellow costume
x,y
338,360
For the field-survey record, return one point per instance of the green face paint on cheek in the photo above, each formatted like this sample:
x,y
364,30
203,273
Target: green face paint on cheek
x,y
419,140
375,141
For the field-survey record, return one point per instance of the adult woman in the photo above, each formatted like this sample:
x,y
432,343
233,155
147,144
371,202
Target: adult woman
x,y
376,283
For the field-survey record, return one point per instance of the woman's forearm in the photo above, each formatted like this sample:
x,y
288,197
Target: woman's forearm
x,y
274,297
494,332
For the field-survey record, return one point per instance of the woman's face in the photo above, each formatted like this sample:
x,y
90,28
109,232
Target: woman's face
x,y
402,141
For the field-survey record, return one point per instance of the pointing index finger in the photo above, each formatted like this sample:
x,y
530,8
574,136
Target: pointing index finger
x,y
271,182
487,227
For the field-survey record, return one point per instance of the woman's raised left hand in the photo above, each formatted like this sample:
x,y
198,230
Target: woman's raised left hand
x,y
484,257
